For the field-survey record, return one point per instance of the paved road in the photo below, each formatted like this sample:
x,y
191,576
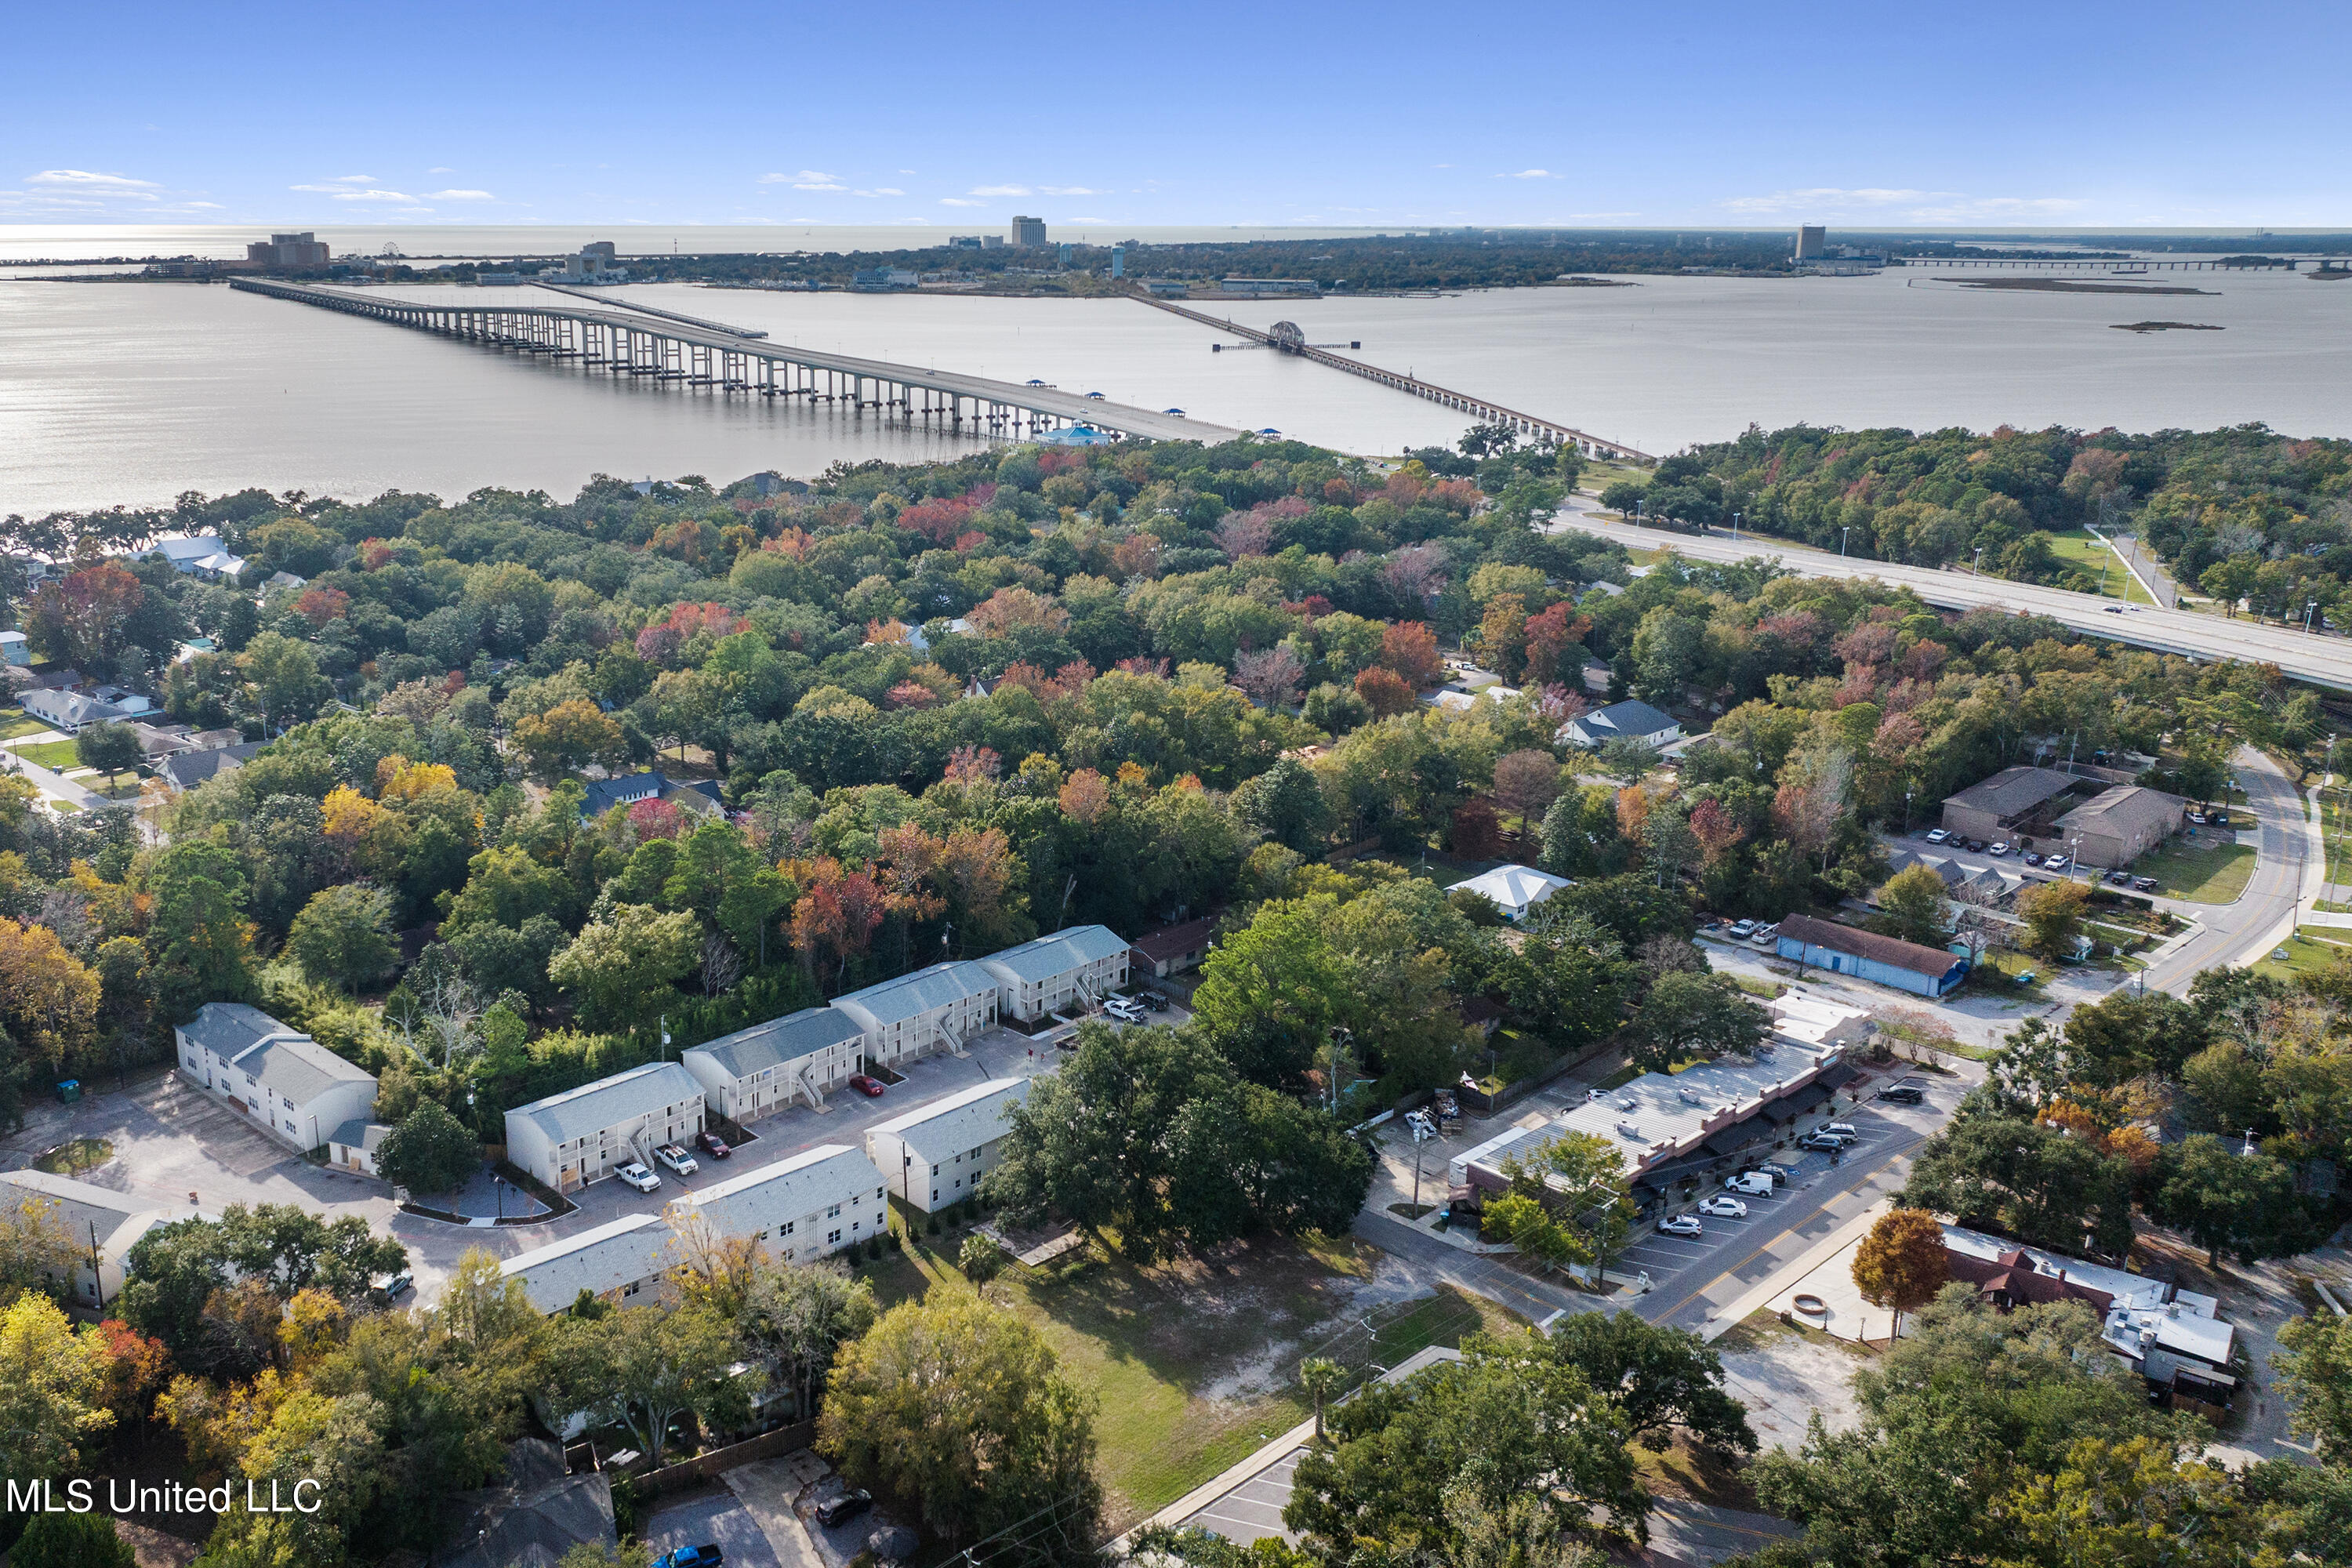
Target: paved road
x,y
2321,661
2286,873
1681,1532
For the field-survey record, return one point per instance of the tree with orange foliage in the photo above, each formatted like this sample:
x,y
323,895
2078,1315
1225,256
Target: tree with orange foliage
x,y
1716,832
1085,795
1503,635
1902,1263
1384,691
1551,633
1632,810
838,915
1409,648
136,1367
1009,609
320,605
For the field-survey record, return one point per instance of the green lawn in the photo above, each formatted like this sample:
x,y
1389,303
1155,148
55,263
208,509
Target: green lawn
x,y
2303,956
19,723
52,754
2089,557
2200,872
1191,1363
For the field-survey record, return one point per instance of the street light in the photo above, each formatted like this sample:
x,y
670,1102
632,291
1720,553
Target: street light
x,y
1842,534
1735,528
1975,566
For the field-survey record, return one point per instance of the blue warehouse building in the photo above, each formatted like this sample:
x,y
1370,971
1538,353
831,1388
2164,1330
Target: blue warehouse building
x,y
1866,955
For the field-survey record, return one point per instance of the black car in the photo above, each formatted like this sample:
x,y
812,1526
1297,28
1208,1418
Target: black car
x,y
839,1509
1152,1001
1903,1094
2144,884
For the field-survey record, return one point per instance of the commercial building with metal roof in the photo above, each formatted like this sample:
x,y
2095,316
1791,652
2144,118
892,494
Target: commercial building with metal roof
x,y
792,1061
934,1156
584,1134
281,1078
931,1010
1078,966
1884,960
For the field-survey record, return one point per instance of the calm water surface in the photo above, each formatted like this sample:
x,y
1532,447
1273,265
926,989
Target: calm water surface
x,y
135,392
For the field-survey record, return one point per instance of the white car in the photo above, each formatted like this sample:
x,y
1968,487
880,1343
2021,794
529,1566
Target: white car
x,y
2000,849
1681,1225
1766,936
677,1159
1125,1011
1839,1130
1723,1207
1419,1123
1937,835
1742,929
2056,863
637,1177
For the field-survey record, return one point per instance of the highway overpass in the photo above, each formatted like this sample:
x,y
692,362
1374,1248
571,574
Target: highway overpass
x,y
2310,656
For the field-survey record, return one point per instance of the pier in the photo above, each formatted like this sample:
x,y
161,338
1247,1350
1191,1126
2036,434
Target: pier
x,y
2117,264
670,349
1481,408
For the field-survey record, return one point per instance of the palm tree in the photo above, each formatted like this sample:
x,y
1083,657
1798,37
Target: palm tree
x,y
1317,1377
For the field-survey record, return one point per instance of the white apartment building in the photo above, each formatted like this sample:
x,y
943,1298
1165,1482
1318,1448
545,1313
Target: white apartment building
x,y
756,1072
282,1080
621,1261
103,1225
934,1155
584,1134
919,1015
1077,967
799,1209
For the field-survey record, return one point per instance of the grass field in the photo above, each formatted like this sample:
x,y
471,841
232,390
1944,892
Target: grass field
x,y
52,754
1192,1363
15,724
2089,557
2304,955
2202,874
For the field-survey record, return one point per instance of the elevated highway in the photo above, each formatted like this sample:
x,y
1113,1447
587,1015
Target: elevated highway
x,y
2310,656
672,349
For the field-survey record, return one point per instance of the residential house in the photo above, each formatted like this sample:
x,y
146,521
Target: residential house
x,y
2013,804
1172,949
1624,721
793,1060
934,1155
934,1009
584,1134
1988,884
535,1517
1514,890
282,1080
185,770
2119,825
68,712
700,797
1075,967
807,1206
199,555
1884,960
14,649
102,1223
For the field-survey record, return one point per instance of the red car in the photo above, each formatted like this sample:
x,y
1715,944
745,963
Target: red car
x,y
866,1086
713,1145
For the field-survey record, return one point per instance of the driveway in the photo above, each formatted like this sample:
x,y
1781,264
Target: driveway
x,y
712,1514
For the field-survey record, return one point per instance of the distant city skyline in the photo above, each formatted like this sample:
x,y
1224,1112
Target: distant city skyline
x,y
1370,116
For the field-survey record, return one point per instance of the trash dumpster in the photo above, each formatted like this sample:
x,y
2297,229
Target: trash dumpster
x,y
70,1091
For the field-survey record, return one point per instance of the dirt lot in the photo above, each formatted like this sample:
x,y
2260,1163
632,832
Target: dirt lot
x,y
1783,1374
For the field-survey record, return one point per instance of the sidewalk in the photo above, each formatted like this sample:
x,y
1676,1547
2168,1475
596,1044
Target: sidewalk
x,y
1789,1275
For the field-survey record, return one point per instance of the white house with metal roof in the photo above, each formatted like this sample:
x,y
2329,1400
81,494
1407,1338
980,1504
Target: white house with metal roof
x,y
934,1155
584,1134
280,1078
802,1208
1079,966
621,1261
791,1060
931,1010
1514,890
100,1223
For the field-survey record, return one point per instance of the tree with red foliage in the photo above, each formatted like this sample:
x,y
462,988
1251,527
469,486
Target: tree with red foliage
x,y
1716,832
1409,648
1270,675
1384,691
84,617
320,606
136,1367
657,819
1477,834
939,521
1551,633
838,914
911,694
973,765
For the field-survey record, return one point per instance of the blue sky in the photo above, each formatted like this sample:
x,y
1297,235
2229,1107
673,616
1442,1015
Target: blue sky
x,y
1364,114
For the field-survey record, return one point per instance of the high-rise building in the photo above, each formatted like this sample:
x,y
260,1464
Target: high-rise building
x,y
288,250
1813,242
603,247
1118,261
1028,230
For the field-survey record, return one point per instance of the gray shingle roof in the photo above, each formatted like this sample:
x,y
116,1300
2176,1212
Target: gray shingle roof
x,y
600,1259
911,995
298,1067
609,1101
1063,953
947,1127
2013,790
80,1204
2125,808
779,1040
1627,717
762,1199
190,769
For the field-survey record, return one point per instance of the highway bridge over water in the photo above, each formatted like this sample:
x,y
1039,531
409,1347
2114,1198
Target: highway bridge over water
x,y
667,348
1478,407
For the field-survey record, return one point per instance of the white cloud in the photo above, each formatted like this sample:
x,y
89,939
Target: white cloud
x,y
460,196
1529,174
440,169
1001,191
806,180
396,198
355,179
959,202
1070,191
88,180
880,191
906,171
1901,203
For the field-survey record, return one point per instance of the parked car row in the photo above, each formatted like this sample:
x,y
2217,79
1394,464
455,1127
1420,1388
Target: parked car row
x,y
1762,935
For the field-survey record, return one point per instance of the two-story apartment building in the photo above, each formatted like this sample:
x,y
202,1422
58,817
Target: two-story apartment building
x,y
280,1078
934,1155
1077,967
801,1208
584,1134
931,1010
795,1059
102,1223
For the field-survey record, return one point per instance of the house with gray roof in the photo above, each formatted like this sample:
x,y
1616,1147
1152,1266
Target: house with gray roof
x,y
2119,825
279,1078
1076,967
934,1155
99,1220
1627,720
584,1134
187,770
931,1010
68,712
801,1208
795,1059
621,1261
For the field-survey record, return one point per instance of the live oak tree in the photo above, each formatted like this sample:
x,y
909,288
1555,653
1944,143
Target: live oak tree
x,y
2314,1364
1995,1167
1901,1262
1691,1014
430,1151
344,935
1665,1380
641,1368
109,747
2225,1200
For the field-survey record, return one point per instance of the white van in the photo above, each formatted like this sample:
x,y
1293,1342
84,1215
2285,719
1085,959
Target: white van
x,y
1754,1183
